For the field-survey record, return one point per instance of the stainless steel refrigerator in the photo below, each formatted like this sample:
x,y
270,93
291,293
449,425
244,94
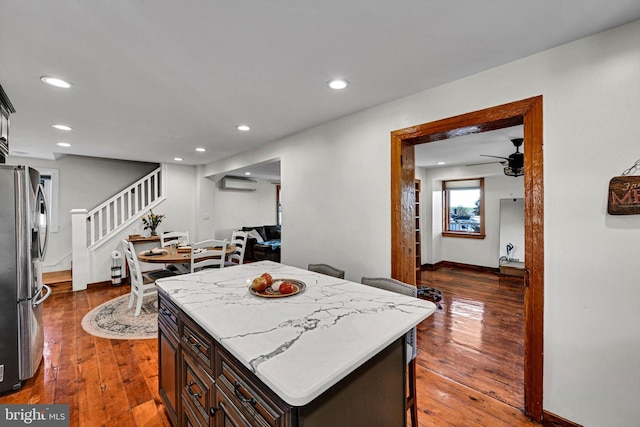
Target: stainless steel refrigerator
x,y
23,243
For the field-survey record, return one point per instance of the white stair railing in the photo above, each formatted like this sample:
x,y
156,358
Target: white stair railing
x,y
124,208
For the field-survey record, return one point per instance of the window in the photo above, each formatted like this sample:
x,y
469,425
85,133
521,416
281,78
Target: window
x,y
463,208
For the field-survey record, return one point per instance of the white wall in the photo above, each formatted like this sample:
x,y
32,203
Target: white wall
x,y
236,209
336,206
84,182
483,252
512,228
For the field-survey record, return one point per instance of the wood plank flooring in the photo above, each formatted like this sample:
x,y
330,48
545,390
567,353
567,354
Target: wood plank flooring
x,y
105,382
469,361
471,353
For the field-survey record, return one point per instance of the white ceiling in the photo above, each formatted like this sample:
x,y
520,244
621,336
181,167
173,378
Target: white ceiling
x,y
153,80
269,171
468,150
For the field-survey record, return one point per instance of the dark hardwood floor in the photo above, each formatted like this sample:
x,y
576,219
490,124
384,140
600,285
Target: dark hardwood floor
x,y
471,353
469,365
105,382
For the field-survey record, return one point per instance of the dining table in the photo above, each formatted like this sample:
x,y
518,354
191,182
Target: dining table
x,y
177,256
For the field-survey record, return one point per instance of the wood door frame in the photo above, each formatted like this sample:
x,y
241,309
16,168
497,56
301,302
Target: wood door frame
x,y
527,112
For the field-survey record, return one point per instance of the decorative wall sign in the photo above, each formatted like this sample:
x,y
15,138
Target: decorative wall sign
x,y
624,193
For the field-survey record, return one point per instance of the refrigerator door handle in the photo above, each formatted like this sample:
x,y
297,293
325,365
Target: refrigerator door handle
x,y
44,297
43,199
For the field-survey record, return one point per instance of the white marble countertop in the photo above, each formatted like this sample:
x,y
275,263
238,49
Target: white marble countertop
x,y
300,345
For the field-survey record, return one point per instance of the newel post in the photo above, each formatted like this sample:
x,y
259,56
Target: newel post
x,y
79,251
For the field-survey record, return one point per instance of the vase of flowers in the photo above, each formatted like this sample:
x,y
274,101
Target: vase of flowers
x,y
151,221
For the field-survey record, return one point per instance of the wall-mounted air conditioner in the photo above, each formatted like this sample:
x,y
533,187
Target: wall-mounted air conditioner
x,y
237,183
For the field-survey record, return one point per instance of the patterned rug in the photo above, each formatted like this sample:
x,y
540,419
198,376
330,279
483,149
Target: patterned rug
x,y
114,320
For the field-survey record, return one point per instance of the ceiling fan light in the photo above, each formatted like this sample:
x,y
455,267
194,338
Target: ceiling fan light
x,y
515,172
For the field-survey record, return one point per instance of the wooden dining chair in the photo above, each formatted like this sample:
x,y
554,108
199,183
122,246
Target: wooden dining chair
x,y
208,254
142,284
326,269
397,286
239,239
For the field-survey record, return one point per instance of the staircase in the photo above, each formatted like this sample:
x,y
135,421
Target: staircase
x,y
59,281
124,208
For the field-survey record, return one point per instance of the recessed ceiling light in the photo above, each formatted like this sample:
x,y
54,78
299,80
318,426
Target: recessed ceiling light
x,y
243,128
63,144
53,81
200,149
62,127
178,159
338,84
247,173
440,163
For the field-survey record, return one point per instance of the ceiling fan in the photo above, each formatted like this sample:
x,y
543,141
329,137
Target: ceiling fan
x,y
515,162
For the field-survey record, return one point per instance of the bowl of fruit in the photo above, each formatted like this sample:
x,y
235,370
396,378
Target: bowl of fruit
x,y
266,286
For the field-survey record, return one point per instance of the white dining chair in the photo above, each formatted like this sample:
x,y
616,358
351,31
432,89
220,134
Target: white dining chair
x,y
142,284
208,254
170,237
397,286
239,240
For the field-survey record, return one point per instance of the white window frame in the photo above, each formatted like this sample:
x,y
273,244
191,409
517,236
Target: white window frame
x,y
458,184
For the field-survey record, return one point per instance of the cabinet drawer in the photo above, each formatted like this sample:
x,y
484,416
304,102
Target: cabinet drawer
x,y
253,403
227,412
168,314
197,389
198,343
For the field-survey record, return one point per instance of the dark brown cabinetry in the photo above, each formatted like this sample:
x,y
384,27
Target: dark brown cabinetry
x,y
168,357
202,384
6,109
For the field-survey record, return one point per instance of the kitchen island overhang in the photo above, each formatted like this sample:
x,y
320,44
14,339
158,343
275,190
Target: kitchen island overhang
x,y
299,346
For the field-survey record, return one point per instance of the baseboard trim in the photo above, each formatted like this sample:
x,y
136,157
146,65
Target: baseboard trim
x,y
459,265
98,284
552,420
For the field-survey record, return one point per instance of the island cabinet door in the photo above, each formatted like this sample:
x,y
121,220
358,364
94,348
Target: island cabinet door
x,y
168,346
168,364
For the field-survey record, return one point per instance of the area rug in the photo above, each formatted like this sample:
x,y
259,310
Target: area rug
x,y
114,320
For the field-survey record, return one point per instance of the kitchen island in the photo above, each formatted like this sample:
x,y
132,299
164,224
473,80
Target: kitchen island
x,y
333,354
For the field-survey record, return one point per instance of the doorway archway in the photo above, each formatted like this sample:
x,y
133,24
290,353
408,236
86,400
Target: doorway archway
x,y
526,112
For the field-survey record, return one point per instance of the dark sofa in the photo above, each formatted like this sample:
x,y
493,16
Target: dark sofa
x,y
269,249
